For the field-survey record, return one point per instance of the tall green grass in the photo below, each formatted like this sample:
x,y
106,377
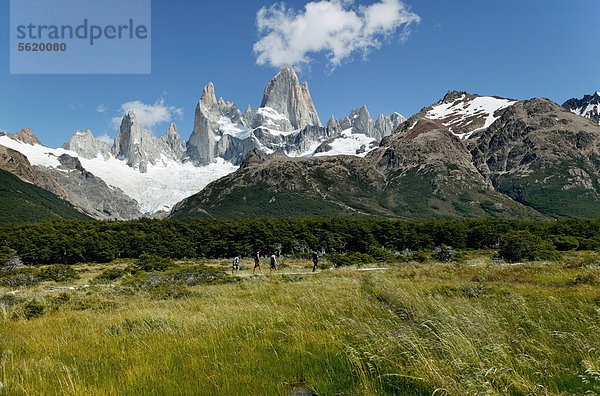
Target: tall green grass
x,y
412,329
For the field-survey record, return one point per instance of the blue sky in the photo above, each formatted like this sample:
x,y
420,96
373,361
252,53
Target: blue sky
x,y
516,49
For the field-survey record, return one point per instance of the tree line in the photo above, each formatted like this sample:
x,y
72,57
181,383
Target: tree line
x,y
73,241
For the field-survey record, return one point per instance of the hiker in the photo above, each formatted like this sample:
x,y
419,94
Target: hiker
x,y
315,258
236,264
257,262
273,263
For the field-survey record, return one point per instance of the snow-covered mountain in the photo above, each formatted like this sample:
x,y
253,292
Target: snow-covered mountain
x,y
158,189
154,172
588,107
287,120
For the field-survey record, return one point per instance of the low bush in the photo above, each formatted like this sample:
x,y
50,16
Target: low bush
x,y
444,253
20,277
418,256
381,255
186,276
150,262
352,258
589,277
109,275
564,243
523,245
33,309
58,273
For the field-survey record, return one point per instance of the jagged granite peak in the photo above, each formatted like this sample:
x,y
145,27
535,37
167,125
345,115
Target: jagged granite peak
x,y
286,120
588,107
331,122
140,148
86,146
201,144
386,124
174,146
25,135
285,95
208,97
360,119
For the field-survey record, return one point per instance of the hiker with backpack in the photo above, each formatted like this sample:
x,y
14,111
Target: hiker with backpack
x,y
257,262
236,264
315,259
273,263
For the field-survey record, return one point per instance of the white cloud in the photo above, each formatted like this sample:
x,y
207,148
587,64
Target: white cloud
x,y
106,139
332,27
101,108
149,115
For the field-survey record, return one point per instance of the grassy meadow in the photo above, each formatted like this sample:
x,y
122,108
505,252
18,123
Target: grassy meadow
x,y
459,328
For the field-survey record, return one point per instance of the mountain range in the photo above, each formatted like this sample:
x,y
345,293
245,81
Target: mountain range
x,y
465,156
145,175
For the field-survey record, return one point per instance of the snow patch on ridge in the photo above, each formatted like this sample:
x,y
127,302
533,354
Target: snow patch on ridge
x,y
271,113
350,143
459,112
236,130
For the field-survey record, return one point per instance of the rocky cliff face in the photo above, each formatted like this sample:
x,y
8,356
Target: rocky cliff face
x,y
71,182
140,148
26,136
544,156
413,175
90,194
588,107
86,146
285,95
16,163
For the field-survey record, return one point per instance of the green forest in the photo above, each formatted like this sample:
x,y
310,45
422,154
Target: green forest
x,y
75,241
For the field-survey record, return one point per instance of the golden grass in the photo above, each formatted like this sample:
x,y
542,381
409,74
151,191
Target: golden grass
x,y
412,329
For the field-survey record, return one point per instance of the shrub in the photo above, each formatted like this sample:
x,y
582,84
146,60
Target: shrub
x,y
58,273
109,275
380,254
9,259
585,260
419,256
352,258
523,245
444,253
151,262
589,244
564,243
589,277
188,276
33,309
20,277
8,299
